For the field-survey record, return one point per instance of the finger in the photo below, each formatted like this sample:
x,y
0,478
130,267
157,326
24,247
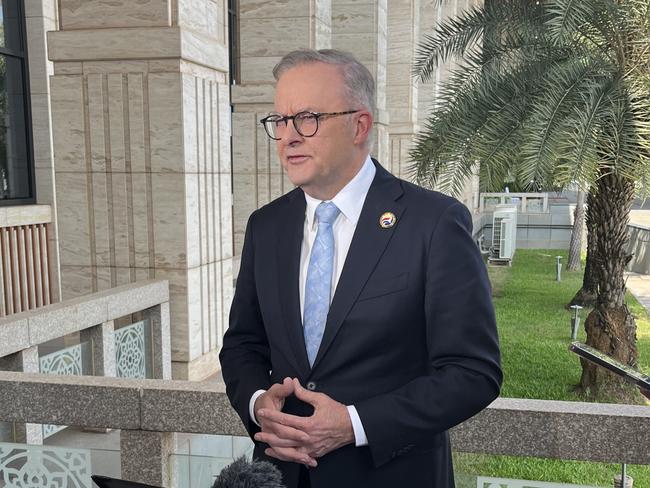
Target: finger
x,y
276,441
284,419
283,389
304,394
284,431
291,454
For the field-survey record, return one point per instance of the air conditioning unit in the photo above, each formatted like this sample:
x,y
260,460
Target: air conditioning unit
x,y
504,233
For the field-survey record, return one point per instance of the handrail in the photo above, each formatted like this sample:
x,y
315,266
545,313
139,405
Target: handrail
x,y
510,426
30,328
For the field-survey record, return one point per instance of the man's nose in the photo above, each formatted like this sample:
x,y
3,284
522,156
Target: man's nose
x,y
291,136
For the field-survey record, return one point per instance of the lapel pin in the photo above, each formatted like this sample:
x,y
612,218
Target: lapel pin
x,y
387,220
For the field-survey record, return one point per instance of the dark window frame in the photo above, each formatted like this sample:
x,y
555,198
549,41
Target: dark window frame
x,y
27,108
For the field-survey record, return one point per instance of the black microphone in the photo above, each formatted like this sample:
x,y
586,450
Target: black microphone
x,y
249,474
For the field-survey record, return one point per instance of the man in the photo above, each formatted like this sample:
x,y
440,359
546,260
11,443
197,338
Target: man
x,y
362,326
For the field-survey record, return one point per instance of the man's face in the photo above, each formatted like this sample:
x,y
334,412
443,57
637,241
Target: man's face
x,y
322,164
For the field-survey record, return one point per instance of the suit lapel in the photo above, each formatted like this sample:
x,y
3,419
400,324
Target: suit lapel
x,y
289,246
366,248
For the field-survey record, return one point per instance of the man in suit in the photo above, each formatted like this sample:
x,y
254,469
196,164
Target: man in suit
x,y
362,326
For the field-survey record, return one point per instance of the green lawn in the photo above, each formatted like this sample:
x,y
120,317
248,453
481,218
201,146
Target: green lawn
x,y
534,329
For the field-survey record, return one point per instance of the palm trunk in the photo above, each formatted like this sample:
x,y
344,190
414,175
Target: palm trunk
x,y
610,326
575,246
586,296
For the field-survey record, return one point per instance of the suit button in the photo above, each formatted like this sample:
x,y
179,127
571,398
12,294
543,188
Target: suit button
x,y
311,386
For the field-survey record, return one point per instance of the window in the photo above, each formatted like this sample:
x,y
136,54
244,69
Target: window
x,y
16,168
233,41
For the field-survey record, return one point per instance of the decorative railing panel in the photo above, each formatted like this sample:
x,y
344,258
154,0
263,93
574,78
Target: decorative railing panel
x,y
131,348
23,466
68,361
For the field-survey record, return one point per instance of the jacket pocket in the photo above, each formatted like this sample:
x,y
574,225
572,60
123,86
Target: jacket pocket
x,y
384,286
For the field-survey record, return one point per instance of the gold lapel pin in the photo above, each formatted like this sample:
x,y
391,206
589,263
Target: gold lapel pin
x,y
387,220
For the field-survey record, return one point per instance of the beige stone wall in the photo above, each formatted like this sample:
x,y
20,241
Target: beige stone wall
x,y
360,27
40,17
268,30
142,142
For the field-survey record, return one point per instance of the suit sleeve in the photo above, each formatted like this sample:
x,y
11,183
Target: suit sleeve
x,y
464,374
245,356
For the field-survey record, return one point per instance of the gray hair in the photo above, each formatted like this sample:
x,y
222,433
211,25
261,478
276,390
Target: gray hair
x,y
359,83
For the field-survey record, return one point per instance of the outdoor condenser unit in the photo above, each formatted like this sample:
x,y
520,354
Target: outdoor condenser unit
x,y
504,232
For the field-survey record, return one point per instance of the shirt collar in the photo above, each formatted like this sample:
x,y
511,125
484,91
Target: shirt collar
x,y
351,197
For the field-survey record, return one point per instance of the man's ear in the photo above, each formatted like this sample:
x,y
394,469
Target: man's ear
x,y
363,127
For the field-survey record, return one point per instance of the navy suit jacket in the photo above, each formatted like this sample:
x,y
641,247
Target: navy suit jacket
x,y
410,339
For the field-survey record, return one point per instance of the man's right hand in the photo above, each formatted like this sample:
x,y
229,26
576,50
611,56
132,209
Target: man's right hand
x,y
286,443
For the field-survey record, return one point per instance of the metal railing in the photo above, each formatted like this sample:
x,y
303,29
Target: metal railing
x,y
526,202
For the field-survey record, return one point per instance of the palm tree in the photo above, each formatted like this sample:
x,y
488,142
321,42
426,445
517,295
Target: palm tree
x,y
550,92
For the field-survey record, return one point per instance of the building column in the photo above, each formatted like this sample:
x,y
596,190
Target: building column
x,y
360,27
26,361
401,89
267,31
141,118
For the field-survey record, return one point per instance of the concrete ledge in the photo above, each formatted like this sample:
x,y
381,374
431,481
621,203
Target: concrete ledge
x,y
25,215
510,426
33,327
182,406
63,400
558,430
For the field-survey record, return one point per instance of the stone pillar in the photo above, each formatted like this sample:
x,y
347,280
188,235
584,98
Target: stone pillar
x,y
268,30
102,341
26,361
145,456
160,347
40,17
360,27
141,117
401,89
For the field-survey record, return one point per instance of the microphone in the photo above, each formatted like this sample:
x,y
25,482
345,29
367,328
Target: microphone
x,y
249,474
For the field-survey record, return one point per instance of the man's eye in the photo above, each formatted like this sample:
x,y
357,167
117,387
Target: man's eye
x,y
277,121
306,117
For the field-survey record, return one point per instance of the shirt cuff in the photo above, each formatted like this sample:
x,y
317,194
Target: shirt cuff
x,y
360,438
251,406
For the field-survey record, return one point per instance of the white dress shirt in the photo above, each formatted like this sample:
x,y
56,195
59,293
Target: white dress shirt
x,y
349,201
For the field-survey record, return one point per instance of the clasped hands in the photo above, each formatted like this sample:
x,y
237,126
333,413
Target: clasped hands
x,y
301,439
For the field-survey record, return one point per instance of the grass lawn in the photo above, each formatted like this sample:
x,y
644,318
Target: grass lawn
x,y
534,330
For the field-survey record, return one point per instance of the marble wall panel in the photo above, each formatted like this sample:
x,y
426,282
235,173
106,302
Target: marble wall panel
x,y
193,228
265,9
73,219
136,117
38,75
166,122
245,130
194,324
41,128
76,281
116,119
92,14
259,69
68,123
142,222
202,50
169,220
223,118
268,37
102,220
96,118
122,229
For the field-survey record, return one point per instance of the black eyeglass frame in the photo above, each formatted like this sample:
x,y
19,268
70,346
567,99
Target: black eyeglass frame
x,y
287,118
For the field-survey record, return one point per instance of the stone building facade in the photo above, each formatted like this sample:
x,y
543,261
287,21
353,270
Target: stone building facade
x,y
149,151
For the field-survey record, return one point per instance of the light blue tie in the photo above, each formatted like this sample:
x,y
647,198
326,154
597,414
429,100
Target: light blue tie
x,y
319,279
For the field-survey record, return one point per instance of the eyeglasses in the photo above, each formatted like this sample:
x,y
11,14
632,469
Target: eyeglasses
x,y
306,123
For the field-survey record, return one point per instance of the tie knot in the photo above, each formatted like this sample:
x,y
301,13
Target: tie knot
x,y
326,212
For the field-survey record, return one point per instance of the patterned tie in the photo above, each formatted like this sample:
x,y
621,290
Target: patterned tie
x,y
319,279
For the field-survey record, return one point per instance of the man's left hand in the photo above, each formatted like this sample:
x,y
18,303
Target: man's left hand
x,y
329,427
